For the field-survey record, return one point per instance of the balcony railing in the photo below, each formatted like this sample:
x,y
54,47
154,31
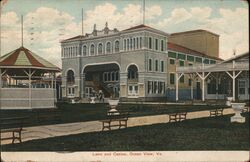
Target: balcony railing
x,y
238,66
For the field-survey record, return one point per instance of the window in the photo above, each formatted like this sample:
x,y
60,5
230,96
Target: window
x,y
140,42
211,86
117,76
150,64
137,43
156,44
172,54
190,58
92,50
131,43
189,82
155,87
70,77
172,78
108,47
117,46
124,44
71,91
105,77
162,66
150,43
242,85
149,87
162,45
109,76
100,48
84,50
182,79
190,64
161,87
112,76
127,44
181,63
134,43
172,61
156,65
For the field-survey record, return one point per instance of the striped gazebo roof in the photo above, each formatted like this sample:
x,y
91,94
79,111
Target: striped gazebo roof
x,y
24,58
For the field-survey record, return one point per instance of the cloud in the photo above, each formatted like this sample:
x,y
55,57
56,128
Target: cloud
x,y
130,15
177,16
231,25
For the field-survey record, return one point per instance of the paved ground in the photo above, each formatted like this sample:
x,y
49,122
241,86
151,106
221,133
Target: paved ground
x,y
39,132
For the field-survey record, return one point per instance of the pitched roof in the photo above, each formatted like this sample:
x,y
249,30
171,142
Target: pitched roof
x,y
179,48
22,57
144,26
73,38
138,27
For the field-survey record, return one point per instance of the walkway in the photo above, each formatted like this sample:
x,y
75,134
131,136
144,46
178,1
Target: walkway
x,y
40,132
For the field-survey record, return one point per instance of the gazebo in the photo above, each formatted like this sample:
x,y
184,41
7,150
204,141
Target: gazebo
x,y
24,81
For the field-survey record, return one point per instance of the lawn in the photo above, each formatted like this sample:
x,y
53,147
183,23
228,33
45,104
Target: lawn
x,y
214,133
70,113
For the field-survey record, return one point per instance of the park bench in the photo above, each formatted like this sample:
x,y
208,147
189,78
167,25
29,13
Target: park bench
x,y
216,112
54,115
13,125
119,120
177,116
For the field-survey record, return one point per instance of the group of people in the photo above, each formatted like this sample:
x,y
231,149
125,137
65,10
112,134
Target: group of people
x,y
99,95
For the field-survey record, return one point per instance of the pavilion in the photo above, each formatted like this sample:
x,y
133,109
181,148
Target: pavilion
x,y
229,78
24,81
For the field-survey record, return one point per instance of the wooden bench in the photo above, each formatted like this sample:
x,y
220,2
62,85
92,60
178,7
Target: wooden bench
x,y
216,112
120,120
14,125
51,115
177,116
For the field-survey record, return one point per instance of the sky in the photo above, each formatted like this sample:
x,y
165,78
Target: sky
x,y
47,22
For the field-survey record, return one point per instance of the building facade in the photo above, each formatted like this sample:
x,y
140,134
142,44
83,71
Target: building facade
x,y
129,64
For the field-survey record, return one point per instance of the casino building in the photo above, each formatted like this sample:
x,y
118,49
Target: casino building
x,y
135,63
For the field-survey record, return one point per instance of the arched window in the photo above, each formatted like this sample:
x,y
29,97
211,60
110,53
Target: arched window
x,y
70,77
100,48
132,72
84,50
108,47
92,50
117,45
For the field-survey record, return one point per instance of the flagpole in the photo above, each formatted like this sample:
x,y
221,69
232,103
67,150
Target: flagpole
x,y
22,30
143,12
82,21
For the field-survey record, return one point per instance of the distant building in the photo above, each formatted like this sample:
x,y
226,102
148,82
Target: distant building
x,y
135,63
199,40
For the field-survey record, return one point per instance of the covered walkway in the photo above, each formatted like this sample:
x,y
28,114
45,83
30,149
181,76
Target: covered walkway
x,y
233,68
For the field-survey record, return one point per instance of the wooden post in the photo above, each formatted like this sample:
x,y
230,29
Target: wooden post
x,y
176,87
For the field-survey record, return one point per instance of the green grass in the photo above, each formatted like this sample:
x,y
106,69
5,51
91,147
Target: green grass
x,y
215,133
88,112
